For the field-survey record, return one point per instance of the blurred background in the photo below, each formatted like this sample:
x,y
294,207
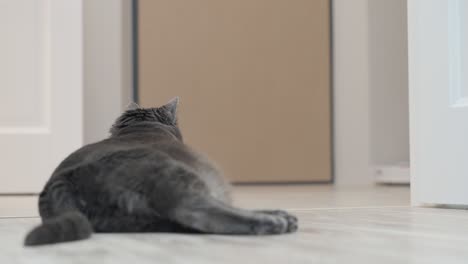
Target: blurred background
x,y
274,91
282,91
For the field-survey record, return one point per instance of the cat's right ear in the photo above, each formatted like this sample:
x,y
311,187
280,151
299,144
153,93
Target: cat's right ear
x,y
171,106
132,106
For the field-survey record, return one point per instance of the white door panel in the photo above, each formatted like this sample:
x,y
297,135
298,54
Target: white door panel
x,y
40,89
438,52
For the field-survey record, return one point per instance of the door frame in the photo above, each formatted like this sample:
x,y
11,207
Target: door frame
x,y
108,45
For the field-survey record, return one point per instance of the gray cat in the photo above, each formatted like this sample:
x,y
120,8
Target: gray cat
x,y
143,178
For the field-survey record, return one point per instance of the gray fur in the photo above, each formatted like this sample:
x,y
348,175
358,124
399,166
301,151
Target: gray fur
x,y
143,178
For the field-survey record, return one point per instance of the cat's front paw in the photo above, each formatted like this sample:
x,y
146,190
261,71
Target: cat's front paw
x,y
277,222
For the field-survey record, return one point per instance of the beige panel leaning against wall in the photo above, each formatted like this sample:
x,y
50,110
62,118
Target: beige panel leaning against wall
x,y
254,82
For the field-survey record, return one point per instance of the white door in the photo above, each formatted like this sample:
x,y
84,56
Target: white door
x,y
438,54
40,89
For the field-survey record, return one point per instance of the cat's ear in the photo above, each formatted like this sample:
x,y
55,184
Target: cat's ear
x,y
132,106
171,106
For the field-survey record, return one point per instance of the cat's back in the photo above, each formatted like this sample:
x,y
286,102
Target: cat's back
x,y
104,155
132,150
133,156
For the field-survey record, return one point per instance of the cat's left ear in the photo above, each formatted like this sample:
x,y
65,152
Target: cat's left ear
x,y
132,106
171,106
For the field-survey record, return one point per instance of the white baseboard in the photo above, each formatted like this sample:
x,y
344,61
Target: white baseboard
x,y
392,174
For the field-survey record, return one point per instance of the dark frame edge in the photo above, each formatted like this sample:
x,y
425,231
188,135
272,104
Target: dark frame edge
x,y
332,87
135,61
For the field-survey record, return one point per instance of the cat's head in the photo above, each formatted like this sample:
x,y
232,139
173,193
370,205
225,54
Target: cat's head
x,y
134,115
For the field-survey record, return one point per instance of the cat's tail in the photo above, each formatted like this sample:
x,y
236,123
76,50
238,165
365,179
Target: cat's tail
x,y
62,221
69,226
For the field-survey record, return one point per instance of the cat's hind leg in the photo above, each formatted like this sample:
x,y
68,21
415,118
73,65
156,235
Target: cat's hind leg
x,y
178,194
208,215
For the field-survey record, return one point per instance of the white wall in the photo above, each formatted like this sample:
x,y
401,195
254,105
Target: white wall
x,y
370,87
351,92
107,64
388,82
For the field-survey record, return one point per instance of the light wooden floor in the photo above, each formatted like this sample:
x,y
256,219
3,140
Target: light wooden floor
x,y
337,225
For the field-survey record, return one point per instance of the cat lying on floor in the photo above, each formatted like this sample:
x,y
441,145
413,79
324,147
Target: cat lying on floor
x,y
143,178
